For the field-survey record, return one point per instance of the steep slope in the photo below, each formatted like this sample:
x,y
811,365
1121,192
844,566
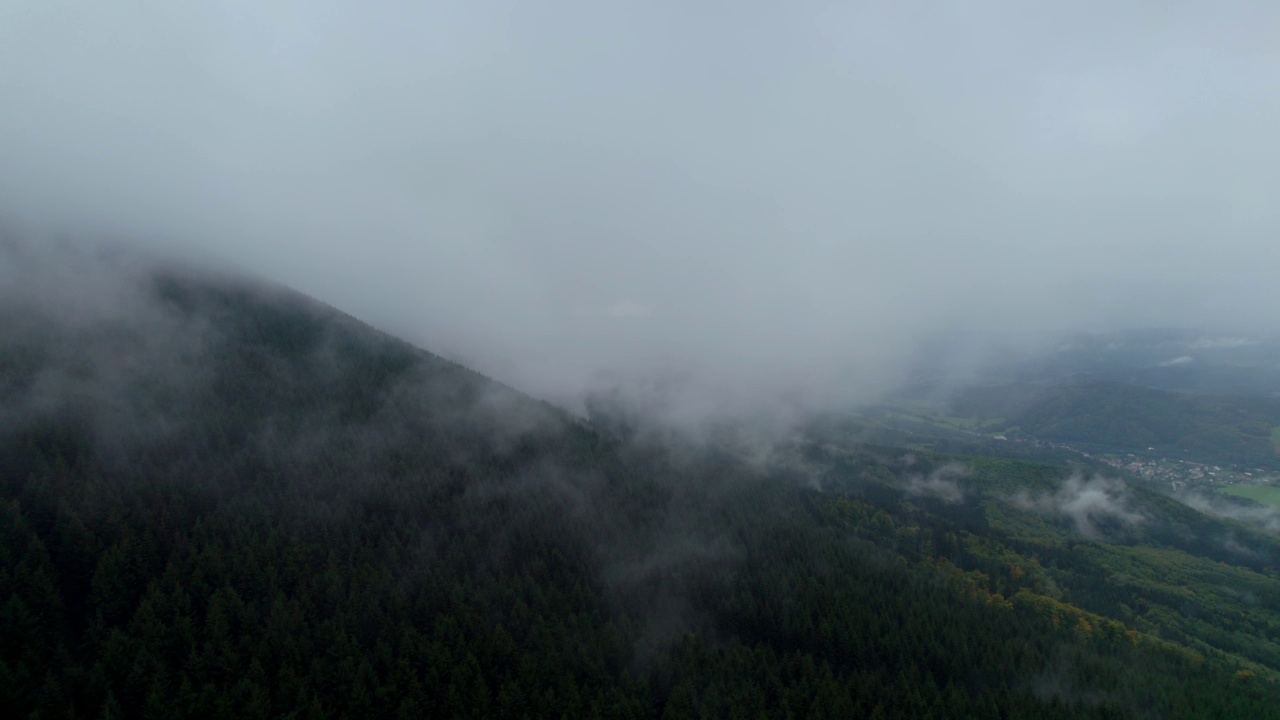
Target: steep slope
x,y
221,499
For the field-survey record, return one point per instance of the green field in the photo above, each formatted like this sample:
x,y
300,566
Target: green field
x,y
1275,437
1265,494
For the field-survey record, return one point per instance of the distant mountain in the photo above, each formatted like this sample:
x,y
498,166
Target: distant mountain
x,y
1182,361
220,498
1117,416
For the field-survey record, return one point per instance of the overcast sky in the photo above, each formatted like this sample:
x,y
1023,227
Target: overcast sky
x,y
780,193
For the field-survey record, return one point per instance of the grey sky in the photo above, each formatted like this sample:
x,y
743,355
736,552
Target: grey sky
x,y
563,192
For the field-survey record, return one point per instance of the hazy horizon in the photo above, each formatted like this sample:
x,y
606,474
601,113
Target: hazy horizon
x,y
756,201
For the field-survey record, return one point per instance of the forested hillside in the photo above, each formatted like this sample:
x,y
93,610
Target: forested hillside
x,y
224,500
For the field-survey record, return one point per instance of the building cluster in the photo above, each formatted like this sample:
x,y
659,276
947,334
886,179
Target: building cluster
x,y
1184,474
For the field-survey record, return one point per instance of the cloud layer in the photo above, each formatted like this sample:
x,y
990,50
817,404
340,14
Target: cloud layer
x,y
773,199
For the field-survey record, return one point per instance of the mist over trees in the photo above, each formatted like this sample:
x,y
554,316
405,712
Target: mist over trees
x,y
221,498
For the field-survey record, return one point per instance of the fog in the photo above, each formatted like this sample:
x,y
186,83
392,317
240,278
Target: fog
x,y
760,200
1090,504
943,483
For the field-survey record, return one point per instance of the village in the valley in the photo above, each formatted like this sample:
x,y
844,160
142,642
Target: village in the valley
x,y
1177,475
1185,474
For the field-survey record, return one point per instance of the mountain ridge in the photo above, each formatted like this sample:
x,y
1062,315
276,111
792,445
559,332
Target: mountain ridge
x,y
232,504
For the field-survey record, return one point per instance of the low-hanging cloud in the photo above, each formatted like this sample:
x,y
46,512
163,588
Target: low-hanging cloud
x,y
1262,517
943,483
1090,504
82,334
777,201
